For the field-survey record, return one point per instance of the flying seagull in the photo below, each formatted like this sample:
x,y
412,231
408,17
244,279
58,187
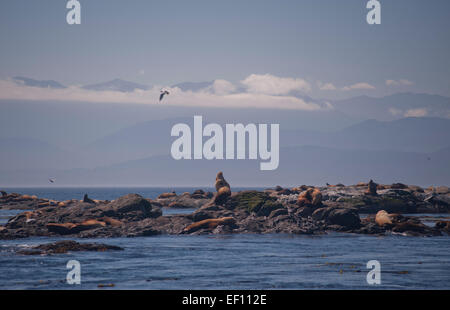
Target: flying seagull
x,y
163,93
52,180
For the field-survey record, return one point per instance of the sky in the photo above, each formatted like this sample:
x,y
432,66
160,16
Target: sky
x,y
326,44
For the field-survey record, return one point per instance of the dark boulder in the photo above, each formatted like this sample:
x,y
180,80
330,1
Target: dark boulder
x,y
131,207
399,186
304,211
443,225
415,228
252,201
346,217
267,208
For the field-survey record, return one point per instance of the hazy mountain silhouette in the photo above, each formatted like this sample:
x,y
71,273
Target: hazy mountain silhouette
x,y
130,143
37,83
134,142
25,153
395,106
414,134
298,165
193,86
116,85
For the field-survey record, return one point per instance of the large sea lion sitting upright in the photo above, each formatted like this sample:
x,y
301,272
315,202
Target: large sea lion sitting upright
x,y
223,189
220,181
371,188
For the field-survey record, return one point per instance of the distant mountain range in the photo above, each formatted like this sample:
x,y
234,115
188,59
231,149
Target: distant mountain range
x,y
298,165
410,150
26,153
412,134
38,83
403,137
193,86
406,135
116,85
362,107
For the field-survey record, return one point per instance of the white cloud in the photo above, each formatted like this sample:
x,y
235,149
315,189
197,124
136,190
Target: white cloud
x,y
358,86
272,85
205,98
223,87
416,112
327,86
395,111
401,82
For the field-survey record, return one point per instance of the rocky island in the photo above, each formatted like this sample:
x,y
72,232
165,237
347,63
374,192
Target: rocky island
x,y
364,208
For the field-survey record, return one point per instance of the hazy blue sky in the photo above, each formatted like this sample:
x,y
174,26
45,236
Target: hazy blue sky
x,y
167,42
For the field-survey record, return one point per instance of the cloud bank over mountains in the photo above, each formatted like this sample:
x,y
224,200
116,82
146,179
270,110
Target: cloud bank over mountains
x,y
259,91
118,133
254,91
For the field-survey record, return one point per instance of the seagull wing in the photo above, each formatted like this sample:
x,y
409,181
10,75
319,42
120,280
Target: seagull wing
x,y
161,96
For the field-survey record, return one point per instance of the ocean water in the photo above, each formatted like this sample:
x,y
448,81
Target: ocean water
x,y
246,261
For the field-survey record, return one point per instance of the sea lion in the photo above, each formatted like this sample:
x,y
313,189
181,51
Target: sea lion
x,y
312,197
209,224
220,181
111,221
167,195
62,229
371,188
86,199
383,218
73,228
223,189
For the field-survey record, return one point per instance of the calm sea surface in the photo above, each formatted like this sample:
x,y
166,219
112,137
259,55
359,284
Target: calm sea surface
x,y
251,261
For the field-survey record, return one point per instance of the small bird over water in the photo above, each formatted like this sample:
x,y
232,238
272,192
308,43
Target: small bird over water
x,y
52,180
163,93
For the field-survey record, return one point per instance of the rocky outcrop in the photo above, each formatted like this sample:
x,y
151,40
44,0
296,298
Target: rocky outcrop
x,y
62,247
130,207
115,218
443,225
398,223
346,218
301,210
184,201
